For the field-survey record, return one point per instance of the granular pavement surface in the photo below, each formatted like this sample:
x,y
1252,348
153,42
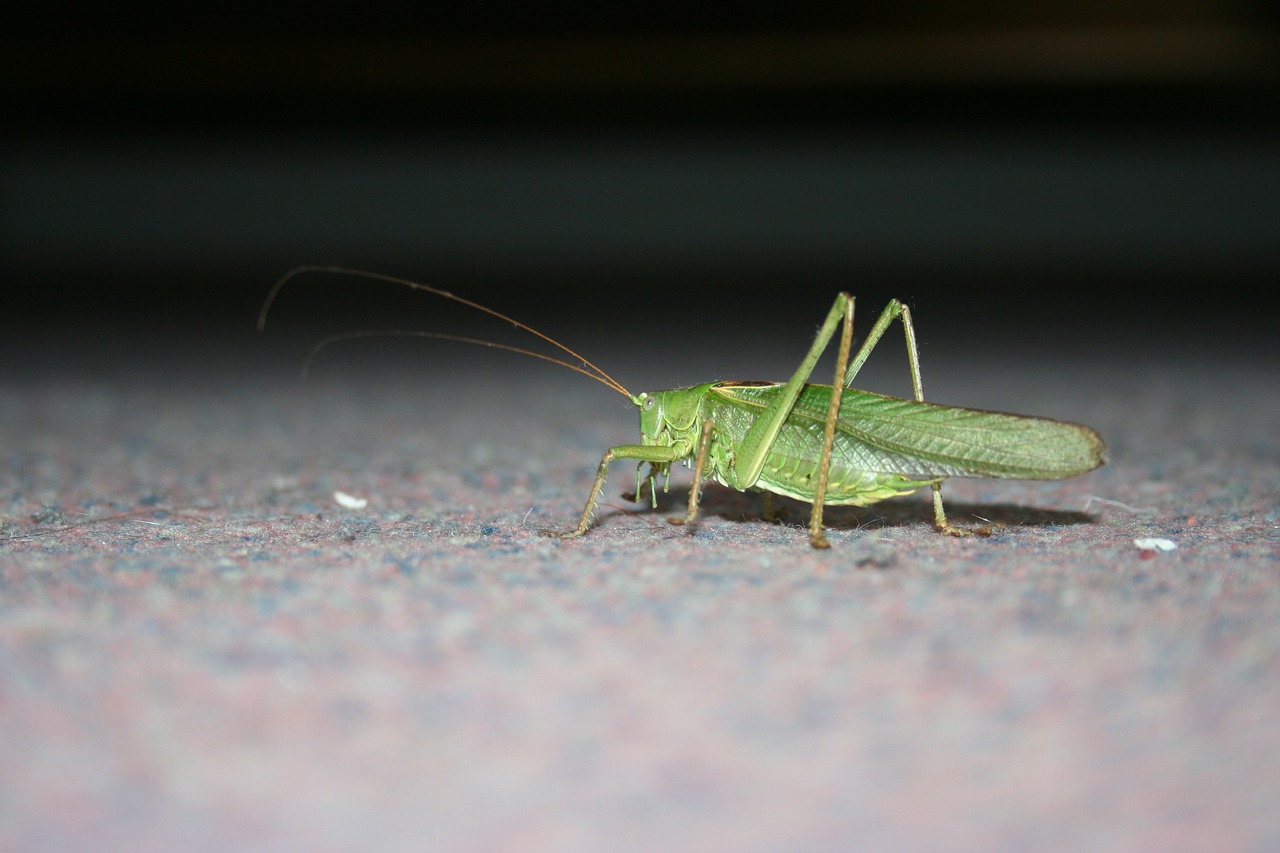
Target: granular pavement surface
x,y
203,649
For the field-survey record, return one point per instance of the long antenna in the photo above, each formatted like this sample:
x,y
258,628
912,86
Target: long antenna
x,y
595,372
415,333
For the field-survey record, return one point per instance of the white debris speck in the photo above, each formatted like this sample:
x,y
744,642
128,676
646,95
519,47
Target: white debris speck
x,y
347,501
1155,544
1108,502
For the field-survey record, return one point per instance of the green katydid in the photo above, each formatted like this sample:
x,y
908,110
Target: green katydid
x,y
822,444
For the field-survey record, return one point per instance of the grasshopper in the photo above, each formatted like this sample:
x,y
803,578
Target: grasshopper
x,y
821,444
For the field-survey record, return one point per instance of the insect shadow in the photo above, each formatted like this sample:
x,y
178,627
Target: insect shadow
x,y
737,506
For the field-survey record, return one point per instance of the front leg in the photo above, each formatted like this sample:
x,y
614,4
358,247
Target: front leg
x,y
643,482
654,454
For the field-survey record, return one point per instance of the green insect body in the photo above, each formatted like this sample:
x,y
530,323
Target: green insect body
x,y
822,444
884,446
789,466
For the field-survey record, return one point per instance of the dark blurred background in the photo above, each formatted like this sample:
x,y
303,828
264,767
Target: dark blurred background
x,y
1102,168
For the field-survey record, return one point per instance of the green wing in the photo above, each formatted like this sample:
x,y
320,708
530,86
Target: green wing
x,y
893,435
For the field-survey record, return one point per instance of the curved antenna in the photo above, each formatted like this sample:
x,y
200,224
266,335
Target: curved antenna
x,y
595,372
415,333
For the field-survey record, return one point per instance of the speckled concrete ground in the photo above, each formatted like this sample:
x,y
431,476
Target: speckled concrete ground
x,y
200,650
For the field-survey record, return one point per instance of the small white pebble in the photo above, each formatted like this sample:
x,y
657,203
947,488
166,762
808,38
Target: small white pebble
x,y
1155,544
347,501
